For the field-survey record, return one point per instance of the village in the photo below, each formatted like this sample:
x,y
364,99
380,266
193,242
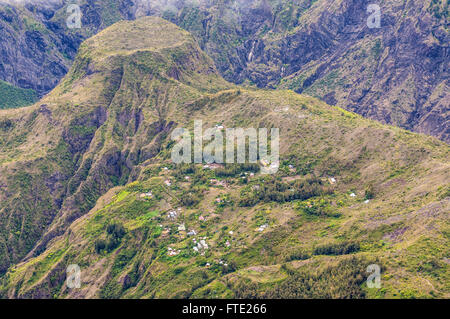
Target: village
x,y
186,227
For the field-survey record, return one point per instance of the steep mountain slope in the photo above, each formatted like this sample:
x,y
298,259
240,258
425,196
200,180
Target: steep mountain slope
x,y
38,47
34,55
60,155
397,74
91,164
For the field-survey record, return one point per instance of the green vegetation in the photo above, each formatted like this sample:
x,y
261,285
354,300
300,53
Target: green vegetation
x,y
337,249
343,281
97,178
272,189
13,97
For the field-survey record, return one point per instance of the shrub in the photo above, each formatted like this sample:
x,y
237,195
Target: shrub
x,y
190,199
337,248
100,245
335,282
274,190
246,290
112,244
298,255
116,230
370,192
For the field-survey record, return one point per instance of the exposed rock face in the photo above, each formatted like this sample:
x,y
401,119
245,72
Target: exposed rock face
x,y
37,48
29,58
84,172
95,138
396,74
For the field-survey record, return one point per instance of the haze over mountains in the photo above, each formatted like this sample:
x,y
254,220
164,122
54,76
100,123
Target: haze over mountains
x,y
396,74
86,178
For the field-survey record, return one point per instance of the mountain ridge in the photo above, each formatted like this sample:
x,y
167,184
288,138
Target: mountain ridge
x,y
320,48
88,153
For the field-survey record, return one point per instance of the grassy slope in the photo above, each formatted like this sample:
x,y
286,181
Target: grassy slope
x,y
63,150
12,97
404,227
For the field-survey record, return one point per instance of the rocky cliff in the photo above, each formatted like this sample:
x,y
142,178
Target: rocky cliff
x,y
397,74
86,178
